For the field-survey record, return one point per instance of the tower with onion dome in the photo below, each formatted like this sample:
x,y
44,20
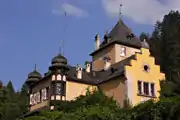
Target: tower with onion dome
x,y
33,77
46,90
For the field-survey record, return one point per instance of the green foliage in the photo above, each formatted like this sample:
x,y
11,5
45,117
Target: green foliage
x,y
143,36
10,90
97,98
165,46
12,104
94,106
165,109
23,95
127,103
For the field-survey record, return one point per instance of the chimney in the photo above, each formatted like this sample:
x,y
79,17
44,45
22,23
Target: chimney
x,y
79,72
88,66
106,37
107,63
97,41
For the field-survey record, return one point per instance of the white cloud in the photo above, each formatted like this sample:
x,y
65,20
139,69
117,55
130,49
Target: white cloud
x,y
70,10
141,11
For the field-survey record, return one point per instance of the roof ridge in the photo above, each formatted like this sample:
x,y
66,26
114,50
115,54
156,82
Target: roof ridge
x,y
120,23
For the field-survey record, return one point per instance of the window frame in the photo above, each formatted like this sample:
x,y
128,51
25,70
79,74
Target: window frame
x,y
44,94
54,88
139,84
146,89
31,99
123,51
153,93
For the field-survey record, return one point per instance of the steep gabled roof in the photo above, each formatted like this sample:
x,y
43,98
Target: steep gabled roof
x,y
119,34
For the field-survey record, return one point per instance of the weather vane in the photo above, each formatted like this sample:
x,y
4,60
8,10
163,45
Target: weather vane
x,y
61,47
120,12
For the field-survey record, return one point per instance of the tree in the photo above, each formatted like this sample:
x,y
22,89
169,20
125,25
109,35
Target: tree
x,y
12,103
24,99
2,100
165,46
155,43
144,36
10,90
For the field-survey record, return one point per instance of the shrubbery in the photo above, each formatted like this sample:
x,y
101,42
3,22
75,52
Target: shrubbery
x,y
99,107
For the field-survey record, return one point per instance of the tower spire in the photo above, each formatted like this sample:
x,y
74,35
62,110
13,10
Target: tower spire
x,y
63,41
120,12
60,50
35,69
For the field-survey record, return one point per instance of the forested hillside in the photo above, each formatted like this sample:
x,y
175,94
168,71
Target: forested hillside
x,y
164,46
13,103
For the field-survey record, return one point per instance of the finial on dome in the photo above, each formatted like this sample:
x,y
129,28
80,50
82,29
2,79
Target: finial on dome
x,y
60,50
35,68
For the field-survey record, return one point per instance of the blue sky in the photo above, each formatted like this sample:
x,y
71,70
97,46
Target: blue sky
x,y
31,32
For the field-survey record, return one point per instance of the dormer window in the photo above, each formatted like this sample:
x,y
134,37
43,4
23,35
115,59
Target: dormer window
x,y
130,36
123,51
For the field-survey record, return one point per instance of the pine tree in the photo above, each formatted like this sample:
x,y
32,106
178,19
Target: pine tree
x,y
155,43
165,46
10,90
2,101
144,36
170,51
23,103
10,109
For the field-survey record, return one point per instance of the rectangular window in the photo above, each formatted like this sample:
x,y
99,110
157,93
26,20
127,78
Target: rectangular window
x,y
38,97
146,88
43,94
31,100
35,98
61,88
139,87
152,89
123,51
58,88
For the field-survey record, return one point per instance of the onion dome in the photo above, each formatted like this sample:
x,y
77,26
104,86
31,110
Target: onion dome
x,y
58,62
33,77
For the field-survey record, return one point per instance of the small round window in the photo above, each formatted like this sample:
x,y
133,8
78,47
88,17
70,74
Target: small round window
x,y
146,68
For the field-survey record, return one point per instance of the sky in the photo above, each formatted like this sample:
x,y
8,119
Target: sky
x,y
31,31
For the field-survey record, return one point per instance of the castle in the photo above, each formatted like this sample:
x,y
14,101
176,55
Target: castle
x,y
121,67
